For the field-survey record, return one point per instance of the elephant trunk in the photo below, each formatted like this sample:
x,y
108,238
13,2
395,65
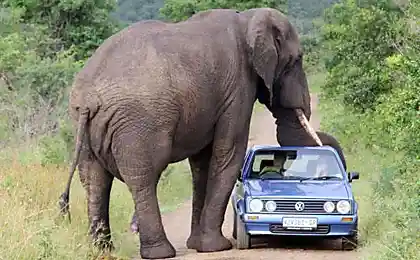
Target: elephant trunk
x,y
295,121
293,131
293,128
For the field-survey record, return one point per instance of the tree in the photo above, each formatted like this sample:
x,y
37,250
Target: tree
x,y
366,33
80,23
130,11
42,46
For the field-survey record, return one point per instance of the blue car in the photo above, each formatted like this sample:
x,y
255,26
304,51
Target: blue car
x,y
294,191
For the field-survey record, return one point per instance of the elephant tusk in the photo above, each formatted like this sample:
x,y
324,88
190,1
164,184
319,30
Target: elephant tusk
x,y
304,122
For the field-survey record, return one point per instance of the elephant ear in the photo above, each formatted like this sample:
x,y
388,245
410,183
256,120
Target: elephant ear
x,y
264,39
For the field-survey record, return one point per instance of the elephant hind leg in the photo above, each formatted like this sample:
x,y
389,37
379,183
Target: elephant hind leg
x,y
141,165
97,183
199,165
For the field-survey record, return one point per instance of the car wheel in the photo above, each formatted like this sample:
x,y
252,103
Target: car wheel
x,y
350,242
243,240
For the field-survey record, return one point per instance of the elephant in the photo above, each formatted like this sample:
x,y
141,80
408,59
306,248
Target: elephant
x,y
156,93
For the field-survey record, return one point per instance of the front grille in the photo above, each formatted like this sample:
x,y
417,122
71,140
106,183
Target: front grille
x,y
311,207
278,228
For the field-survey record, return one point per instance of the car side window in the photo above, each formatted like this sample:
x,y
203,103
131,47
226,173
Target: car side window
x,y
256,164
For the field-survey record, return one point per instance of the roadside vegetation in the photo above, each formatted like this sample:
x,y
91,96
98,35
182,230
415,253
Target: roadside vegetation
x,y
370,100
361,59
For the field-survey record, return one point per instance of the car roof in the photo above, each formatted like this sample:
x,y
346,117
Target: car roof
x,y
255,148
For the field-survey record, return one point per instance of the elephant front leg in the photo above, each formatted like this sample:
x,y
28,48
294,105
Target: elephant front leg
x,y
199,165
98,184
227,158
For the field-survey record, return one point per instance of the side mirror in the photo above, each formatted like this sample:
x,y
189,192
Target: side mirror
x,y
353,176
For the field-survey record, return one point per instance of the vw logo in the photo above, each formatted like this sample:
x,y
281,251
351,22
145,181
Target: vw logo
x,y
299,206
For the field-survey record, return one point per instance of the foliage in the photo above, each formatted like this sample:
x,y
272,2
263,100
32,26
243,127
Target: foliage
x,y
130,11
32,86
387,192
42,46
366,34
305,14
373,71
82,23
179,10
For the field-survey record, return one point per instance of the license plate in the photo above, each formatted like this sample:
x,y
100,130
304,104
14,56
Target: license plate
x,y
293,223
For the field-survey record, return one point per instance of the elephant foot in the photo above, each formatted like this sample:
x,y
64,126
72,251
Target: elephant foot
x,y
159,250
101,236
104,245
213,242
193,242
103,242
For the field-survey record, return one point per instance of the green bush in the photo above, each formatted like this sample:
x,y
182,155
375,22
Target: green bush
x,y
40,52
359,37
57,148
373,83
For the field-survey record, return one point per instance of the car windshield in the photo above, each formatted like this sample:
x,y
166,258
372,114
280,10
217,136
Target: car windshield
x,y
305,164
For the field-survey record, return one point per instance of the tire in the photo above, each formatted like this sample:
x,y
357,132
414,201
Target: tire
x,y
349,243
243,239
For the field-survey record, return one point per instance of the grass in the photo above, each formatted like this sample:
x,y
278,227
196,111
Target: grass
x,y
315,82
29,224
389,222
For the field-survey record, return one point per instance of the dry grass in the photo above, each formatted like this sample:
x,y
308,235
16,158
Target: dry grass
x,y
31,229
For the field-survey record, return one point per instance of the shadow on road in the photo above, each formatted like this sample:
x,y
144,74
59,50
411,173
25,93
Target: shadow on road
x,y
304,243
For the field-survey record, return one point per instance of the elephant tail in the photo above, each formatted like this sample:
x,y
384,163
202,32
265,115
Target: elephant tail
x,y
81,129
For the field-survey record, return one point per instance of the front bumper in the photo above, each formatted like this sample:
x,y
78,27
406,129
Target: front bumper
x,y
328,225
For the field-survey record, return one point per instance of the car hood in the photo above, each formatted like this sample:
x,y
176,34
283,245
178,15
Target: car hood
x,y
310,189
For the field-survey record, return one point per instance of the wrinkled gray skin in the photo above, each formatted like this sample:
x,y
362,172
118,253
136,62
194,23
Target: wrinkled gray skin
x,y
156,93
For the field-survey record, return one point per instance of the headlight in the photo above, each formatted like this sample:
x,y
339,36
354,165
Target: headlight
x,y
270,206
343,206
329,207
256,205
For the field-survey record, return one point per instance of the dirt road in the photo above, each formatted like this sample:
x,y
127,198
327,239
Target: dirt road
x,y
177,223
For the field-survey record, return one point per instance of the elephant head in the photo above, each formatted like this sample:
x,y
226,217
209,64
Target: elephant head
x,y
276,56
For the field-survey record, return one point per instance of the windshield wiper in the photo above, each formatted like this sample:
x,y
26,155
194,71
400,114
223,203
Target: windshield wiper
x,y
321,178
271,178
